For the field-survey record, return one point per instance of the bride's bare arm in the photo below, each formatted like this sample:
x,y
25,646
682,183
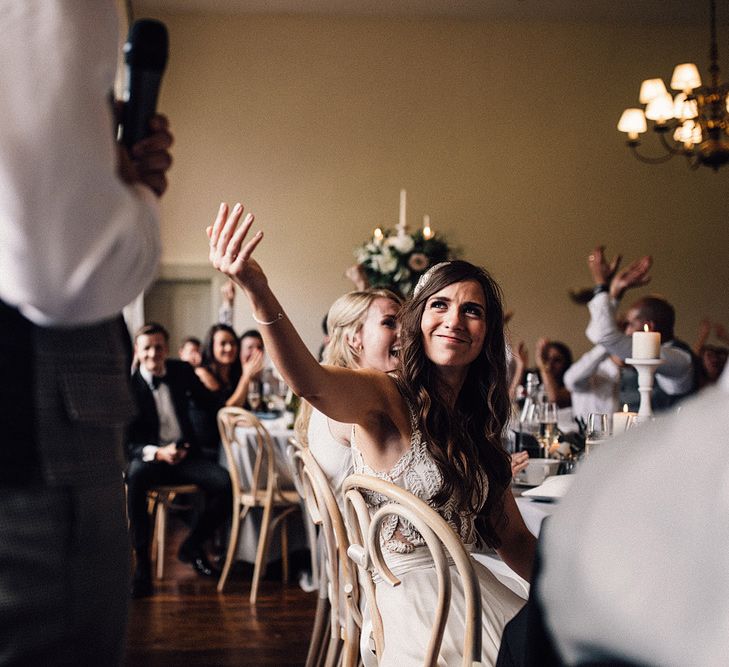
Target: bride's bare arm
x,y
330,390
518,545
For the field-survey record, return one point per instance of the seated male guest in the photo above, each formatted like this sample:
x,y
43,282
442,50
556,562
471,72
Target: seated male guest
x,y
162,450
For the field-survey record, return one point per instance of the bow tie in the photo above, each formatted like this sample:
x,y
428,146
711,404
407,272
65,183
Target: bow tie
x,y
158,380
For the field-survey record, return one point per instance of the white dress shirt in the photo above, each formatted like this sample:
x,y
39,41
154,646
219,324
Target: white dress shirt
x,y
593,382
635,556
77,244
169,426
675,375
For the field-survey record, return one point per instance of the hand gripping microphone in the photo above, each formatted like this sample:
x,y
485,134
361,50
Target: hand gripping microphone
x,y
145,55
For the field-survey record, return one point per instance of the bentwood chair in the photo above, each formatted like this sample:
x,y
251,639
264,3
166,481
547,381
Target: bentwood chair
x,y
238,428
160,500
366,551
340,587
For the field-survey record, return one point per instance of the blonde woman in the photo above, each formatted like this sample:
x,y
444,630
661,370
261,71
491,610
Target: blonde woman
x,y
363,333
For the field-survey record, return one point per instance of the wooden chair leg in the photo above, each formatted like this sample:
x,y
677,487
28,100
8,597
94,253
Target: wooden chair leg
x,y
261,551
285,551
318,633
235,522
333,652
161,530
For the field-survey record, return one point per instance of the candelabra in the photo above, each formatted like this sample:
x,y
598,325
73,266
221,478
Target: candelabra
x,y
646,371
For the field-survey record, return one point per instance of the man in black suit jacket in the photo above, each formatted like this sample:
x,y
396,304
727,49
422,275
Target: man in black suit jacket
x,y
162,449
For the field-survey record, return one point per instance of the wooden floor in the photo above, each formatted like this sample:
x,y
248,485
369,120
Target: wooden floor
x,y
188,623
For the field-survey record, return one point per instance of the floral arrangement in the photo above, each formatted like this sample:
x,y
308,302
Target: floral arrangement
x,y
396,259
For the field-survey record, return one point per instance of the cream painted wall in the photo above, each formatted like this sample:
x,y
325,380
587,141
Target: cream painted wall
x,y
503,133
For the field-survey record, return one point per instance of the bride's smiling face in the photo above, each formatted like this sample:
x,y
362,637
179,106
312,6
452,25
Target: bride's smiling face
x,y
454,324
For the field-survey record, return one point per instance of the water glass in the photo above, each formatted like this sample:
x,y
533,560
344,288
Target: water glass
x,y
547,427
597,431
254,395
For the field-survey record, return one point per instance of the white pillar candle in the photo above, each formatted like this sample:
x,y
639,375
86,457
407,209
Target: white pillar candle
x,y
427,231
403,206
621,419
646,344
378,236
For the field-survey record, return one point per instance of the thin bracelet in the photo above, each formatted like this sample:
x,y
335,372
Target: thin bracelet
x,y
278,317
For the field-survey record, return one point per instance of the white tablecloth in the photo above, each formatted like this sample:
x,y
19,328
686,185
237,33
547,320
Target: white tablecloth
x,y
533,513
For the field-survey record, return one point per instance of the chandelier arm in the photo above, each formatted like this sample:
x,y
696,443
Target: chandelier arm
x,y
650,160
671,149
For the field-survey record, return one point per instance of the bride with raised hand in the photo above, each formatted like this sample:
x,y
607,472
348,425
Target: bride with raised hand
x,y
434,427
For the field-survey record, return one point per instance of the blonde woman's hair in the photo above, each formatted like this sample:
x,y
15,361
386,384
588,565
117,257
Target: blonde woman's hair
x,y
346,317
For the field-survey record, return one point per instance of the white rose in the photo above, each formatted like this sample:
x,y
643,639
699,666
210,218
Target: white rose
x,y
387,262
403,244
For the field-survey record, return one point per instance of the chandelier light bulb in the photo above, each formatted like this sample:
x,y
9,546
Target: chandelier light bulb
x,y
660,109
683,108
633,122
685,77
650,89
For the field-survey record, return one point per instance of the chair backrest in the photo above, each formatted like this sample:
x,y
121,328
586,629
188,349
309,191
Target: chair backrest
x,y
343,586
440,539
260,475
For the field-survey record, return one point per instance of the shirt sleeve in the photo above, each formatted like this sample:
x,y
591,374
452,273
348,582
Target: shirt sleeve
x,y
149,452
603,329
77,243
579,373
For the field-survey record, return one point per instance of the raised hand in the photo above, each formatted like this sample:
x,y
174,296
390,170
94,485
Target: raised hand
x,y
254,365
230,253
540,352
227,291
601,270
634,275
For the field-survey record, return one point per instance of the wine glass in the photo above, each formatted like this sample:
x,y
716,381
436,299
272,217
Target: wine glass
x,y
254,396
547,427
597,431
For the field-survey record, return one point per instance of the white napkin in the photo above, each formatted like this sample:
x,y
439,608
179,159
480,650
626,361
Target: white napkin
x,y
552,488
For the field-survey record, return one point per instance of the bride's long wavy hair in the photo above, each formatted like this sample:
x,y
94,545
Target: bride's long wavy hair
x,y
465,440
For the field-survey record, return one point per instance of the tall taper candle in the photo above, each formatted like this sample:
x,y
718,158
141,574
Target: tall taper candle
x,y
403,206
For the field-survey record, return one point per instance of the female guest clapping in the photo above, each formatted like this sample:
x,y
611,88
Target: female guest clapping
x,y
433,427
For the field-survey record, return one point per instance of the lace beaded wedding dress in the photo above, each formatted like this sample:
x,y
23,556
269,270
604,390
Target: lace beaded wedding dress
x,y
407,609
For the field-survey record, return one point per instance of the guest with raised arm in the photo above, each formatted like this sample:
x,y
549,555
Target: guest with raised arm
x,y
675,377
433,427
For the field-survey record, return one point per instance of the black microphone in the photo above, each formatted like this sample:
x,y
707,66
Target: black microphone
x,y
145,55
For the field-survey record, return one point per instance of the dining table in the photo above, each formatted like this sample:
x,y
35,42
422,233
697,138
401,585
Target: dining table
x,y
533,512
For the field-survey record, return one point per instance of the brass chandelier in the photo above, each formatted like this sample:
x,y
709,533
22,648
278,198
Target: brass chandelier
x,y
694,123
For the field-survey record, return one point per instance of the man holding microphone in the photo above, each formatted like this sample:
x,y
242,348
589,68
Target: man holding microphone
x,y
79,239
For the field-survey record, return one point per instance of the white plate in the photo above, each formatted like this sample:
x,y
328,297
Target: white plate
x,y
552,489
